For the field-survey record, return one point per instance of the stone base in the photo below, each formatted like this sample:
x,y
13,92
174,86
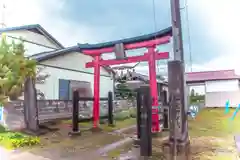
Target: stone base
x,y
74,134
39,132
182,150
136,142
48,128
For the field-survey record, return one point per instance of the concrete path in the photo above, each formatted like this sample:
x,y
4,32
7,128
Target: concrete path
x,y
113,146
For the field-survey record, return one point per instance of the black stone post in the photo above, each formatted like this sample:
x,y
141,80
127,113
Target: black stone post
x,y
110,109
139,104
165,118
146,120
75,114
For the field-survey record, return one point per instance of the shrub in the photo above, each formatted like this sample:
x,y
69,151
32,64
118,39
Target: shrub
x,y
22,142
13,140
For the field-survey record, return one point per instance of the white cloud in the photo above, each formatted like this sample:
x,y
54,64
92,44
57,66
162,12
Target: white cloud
x,y
47,14
221,18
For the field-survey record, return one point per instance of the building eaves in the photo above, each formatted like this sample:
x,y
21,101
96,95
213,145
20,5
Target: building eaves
x,y
34,27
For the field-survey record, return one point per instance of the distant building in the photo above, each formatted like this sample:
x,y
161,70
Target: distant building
x,y
135,80
218,86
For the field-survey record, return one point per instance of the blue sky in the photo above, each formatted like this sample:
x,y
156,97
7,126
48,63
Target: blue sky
x,y
214,29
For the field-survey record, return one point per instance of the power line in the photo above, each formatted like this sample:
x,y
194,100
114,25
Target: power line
x,y
155,28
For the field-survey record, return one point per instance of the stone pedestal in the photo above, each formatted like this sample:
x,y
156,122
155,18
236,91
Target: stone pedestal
x,y
182,150
74,134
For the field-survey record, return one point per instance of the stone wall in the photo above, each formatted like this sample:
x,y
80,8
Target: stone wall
x,y
55,109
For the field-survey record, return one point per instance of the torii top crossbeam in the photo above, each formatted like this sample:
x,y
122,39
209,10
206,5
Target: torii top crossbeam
x,y
133,43
146,41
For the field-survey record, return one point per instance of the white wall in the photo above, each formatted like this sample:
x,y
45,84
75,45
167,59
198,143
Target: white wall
x,y
76,62
222,86
51,86
219,99
32,37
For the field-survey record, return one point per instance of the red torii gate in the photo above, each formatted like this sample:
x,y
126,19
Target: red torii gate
x,y
147,41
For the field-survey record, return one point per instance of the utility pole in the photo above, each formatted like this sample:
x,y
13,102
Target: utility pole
x,y
178,138
177,31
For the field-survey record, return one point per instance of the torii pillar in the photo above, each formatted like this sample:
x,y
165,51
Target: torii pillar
x,y
151,56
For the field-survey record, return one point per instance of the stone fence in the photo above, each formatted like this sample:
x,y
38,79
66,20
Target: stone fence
x,y
51,110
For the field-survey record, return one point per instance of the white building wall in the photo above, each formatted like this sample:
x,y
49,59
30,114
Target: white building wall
x,y
75,63
51,86
32,37
222,86
219,92
219,99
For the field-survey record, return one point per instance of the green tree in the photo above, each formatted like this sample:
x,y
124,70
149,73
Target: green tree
x,y
14,69
124,91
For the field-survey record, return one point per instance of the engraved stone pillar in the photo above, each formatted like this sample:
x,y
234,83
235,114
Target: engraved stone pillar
x,y
30,106
178,139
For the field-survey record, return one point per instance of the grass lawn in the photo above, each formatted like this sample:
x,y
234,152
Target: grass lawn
x,y
212,133
214,122
211,136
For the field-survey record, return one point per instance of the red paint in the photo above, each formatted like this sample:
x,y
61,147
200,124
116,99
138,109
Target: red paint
x,y
151,56
96,102
145,57
143,44
153,84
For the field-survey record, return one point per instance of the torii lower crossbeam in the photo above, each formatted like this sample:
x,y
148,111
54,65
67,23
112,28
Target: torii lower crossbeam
x,y
145,57
151,56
